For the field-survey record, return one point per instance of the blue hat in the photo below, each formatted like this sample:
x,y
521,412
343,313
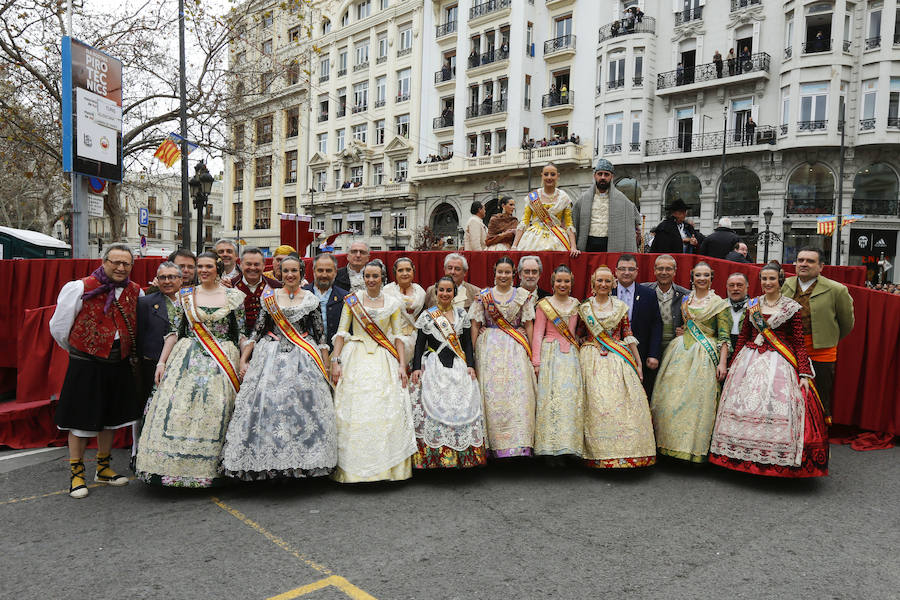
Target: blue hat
x,y
604,165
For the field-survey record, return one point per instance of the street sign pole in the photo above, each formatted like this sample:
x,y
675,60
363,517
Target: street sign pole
x,y
79,217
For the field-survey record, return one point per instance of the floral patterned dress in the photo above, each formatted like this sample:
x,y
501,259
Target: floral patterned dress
x,y
188,415
537,237
283,423
506,376
686,391
766,423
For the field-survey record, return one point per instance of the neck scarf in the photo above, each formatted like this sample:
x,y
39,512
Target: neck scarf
x,y
107,285
738,305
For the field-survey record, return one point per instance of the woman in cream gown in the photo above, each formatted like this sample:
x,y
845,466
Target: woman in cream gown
x,y
618,431
372,406
532,234
413,297
686,391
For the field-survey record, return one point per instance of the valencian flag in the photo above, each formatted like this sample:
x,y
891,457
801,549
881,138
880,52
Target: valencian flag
x,y
826,225
847,219
170,150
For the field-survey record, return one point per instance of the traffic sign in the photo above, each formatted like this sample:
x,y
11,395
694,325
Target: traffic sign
x,y
143,217
143,241
95,206
143,230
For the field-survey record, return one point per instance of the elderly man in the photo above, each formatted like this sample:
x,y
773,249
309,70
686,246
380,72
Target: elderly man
x,y
351,277
827,314
331,297
721,241
530,269
605,219
737,287
475,233
456,267
280,253
95,321
668,297
186,262
252,282
643,312
739,253
674,234
227,250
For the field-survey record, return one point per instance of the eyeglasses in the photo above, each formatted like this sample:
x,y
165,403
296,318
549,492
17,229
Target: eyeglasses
x,y
122,264
167,277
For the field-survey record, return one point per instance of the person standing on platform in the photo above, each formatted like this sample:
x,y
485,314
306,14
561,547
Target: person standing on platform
x,y
227,250
412,296
827,314
668,297
330,296
605,219
547,221
529,270
281,252
739,253
95,321
502,226
252,282
721,241
456,267
737,287
643,315
185,260
674,235
351,277
476,233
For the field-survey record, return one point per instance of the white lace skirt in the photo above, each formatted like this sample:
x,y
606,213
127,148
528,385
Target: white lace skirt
x,y
447,406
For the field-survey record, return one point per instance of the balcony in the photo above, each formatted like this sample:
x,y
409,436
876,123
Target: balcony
x,y
638,81
358,108
756,64
875,206
612,148
561,47
324,78
788,52
459,167
485,108
712,141
323,117
812,125
617,29
873,42
488,8
634,147
444,29
442,122
866,124
403,97
374,191
822,205
816,46
557,102
488,58
361,67
615,84
342,72
444,75
341,112
686,16
404,51
555,3
893,122
737,5
379,103
381,60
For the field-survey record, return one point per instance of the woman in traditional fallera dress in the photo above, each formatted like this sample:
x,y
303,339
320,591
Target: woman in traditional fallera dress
x,y
413,297
547,221
447,410
618,431
770,419
374,415
502,321
283,422
559,418
197,379
502,226
687,387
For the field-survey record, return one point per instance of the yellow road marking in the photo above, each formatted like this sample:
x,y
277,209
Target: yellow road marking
x,y
49,494
334,581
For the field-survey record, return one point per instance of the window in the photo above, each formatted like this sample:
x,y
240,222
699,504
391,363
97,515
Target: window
x,y
292,73
208,233
378,179
403,76
635,131
321,179
379,132
403,126
290,204
870,93
356,222
356,175
340,140
450,13
263,171
399,220
151,229
267,19
810,190
337,224
382,47
290,166
375,225
405,40
788,35
323,108
384,4
265,81
380,91
873,37
638,67
151,204
529,39
501,140
616,70
527,92
342,62
238,183
262,214
563,26
875,190
363,9
322,141
740,193
687,187
320,224
264,130
360,96
324,68
401,168
785,108
267,47
238,133
295,33
813,105
613,138
345,19
894,103
292,122
337,179
237,215
362,54
360,132
472,145
326,26
342,102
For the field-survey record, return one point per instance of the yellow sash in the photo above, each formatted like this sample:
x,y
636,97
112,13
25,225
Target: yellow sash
x,y
604,339
268,298
487,299
446,328
537,208
207,340
369,325
561,324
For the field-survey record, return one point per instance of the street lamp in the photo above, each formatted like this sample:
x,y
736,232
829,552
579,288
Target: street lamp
x,y
767,236
312,220
201,185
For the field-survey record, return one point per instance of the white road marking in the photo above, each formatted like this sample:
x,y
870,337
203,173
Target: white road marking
x,y
30,452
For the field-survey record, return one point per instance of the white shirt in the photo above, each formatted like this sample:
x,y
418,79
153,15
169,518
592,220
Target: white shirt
x,y
475,235
626,295
357,281
736,320
806,285
68,305
599,215
253,287
234,273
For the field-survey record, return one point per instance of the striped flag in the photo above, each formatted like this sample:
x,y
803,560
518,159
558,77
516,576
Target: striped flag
x,y
170,150
826,225
847,219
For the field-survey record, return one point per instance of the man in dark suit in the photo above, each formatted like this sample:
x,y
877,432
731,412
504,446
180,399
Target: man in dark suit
x,y
351,277
330,296
721,241
530,268
643,312
674,235
739,253
668,296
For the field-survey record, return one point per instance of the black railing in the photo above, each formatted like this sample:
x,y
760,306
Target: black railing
x,y
818,205
360,67
625,27
403,97
488,57
811,125
788,52
380,59
404,51
558,99
379,103
612,148
689,15
342,72
341,112
479,10
323,117
638,81
814,46
614,84
739,4
635,146
897,38
873,42
565,42
697,142
783,128
358,108
441,122
445,29
875,206
485,108
444,75
893,121
866,124
710,71
324,78
846,45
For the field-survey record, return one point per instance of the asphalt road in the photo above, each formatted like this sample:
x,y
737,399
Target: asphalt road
x,y
512,531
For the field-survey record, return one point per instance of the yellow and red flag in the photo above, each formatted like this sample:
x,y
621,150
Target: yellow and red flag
x,y
826,225
170,150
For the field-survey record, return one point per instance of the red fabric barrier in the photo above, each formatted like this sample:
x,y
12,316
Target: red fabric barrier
x,y
43,365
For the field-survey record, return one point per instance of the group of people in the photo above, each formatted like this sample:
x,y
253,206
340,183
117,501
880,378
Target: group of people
x,y
258,376
554,141
626,24
431,158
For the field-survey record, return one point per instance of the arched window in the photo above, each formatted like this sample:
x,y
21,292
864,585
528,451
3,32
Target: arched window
x,y
631,188
740,193
685,187
875,190
811,190
444,220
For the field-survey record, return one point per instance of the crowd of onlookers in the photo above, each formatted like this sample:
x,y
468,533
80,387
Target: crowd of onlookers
x,y
434,158
890,288
556,140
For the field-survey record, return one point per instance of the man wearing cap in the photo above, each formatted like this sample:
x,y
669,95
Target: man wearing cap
x,y
605,219
674,235
280,253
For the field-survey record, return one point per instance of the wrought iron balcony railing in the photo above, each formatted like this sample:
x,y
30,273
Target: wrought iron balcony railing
x,y
873,42
811,125
689,15
709,72
558,99
698,142
441,122
485,108
815,46
866,124
479,10
444,75
444,29
565,42
739,4
625,27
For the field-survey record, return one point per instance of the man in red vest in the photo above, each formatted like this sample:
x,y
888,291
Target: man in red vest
x,y
252,282
95,321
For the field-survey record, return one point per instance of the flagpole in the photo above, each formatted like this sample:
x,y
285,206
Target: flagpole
x,y
182,117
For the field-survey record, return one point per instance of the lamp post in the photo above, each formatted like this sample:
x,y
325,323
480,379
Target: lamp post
x,y
312,220
718,210
767,236
201,185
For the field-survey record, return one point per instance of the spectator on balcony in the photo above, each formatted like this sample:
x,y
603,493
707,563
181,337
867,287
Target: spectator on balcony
x,y
488,102
717,60
614,28
605,219
749,132
446,71
731,61
629,21
721,241
638,14
554,94
504,48
476,232
819,44
563,94
679,74
745,65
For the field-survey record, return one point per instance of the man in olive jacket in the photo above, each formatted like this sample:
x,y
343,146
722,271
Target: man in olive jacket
x,y
827,314
605,219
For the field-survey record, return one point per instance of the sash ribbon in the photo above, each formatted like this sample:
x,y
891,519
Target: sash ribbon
x,y
537,207
207,340
487,299
287,328
371,327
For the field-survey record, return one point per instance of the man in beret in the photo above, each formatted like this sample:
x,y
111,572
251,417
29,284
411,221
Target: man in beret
x,y
605,219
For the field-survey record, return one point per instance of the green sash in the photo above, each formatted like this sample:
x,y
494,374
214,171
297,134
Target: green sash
x,y
698,335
